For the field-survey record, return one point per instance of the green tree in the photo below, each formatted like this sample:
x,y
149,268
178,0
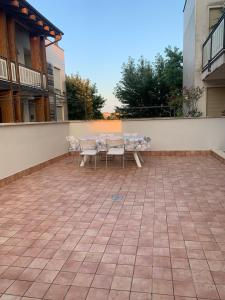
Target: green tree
x,y
145,88
83,100
137,88
160,78
173,71
97,103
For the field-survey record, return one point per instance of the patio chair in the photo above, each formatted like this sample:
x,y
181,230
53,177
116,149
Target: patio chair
x,y
88,148
115,147
72,146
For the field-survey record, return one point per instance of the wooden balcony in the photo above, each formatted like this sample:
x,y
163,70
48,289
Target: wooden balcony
x,y
25,75
30,77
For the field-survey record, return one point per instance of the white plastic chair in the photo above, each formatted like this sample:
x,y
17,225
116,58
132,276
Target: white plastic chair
x,y
115,147
72,146
88,148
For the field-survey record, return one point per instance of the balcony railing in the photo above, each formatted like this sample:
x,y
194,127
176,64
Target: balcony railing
x,y
13,71
214,46
44,80
29,77
3,69
26,76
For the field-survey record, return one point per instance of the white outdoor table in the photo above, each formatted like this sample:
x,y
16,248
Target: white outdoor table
x,y
133,143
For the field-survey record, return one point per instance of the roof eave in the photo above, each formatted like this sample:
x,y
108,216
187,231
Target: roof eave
x,y
35,11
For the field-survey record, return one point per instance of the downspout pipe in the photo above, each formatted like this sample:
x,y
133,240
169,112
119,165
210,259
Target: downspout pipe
x,y
57,39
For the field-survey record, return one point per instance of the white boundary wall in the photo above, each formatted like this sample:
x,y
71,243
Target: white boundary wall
x,y
25,145
166,134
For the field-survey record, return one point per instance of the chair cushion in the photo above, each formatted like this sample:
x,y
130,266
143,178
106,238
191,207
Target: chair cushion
x,y
89,152
115,151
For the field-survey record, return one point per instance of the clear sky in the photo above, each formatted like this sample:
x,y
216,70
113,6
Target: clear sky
x,y
100,35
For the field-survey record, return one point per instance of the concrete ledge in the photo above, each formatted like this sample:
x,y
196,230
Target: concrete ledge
x,y
32,124
30,170
177,153
166,153
219,154
144,119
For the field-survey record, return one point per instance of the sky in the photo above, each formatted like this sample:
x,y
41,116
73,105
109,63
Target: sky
x,y
100,35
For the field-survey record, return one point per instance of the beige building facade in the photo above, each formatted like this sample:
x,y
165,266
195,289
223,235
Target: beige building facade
x,y
204,46
56,82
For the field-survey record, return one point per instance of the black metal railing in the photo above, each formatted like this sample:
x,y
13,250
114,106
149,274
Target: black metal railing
x,y
147,112
214,46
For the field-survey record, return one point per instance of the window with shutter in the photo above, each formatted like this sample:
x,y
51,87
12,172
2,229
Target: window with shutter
x,y
214,15
57,80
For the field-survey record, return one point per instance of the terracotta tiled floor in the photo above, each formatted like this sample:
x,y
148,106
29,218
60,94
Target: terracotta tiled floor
x,y
62,236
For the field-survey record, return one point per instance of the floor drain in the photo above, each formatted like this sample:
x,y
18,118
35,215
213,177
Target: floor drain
x,y
117,197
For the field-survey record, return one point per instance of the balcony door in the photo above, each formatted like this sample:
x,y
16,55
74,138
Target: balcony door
x,y
23,46
29,113
60,113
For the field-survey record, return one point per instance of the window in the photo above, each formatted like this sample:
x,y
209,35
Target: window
x,y
59,112
214,15
23,46
57,80
27,57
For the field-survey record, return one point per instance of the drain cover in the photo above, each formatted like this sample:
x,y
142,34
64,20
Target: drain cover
x,y
117,197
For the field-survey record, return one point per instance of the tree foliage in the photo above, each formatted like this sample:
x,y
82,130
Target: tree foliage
x,y
186,102
190,100
84,102
145,87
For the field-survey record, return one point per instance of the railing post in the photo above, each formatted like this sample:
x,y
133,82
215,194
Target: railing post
x,y
224,33
210,55
42,82
203,56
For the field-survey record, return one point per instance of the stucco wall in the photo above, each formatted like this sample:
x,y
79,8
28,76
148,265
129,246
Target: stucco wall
x,y
166,134
215,101
55,56
25,145
189,43
196,31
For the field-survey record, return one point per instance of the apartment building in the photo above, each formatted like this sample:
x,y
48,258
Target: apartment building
x,y
56,82
204,53
24,93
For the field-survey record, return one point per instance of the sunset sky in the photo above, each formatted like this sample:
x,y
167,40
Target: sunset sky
x,y
100,35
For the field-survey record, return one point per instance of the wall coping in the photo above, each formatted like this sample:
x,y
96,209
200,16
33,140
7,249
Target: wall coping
x,y
32,123
149,119
220,153
122,120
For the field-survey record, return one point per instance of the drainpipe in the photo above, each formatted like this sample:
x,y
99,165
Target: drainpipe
x,y
57,39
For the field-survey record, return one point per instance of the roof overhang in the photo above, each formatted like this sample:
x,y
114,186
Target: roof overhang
x,y
26,13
